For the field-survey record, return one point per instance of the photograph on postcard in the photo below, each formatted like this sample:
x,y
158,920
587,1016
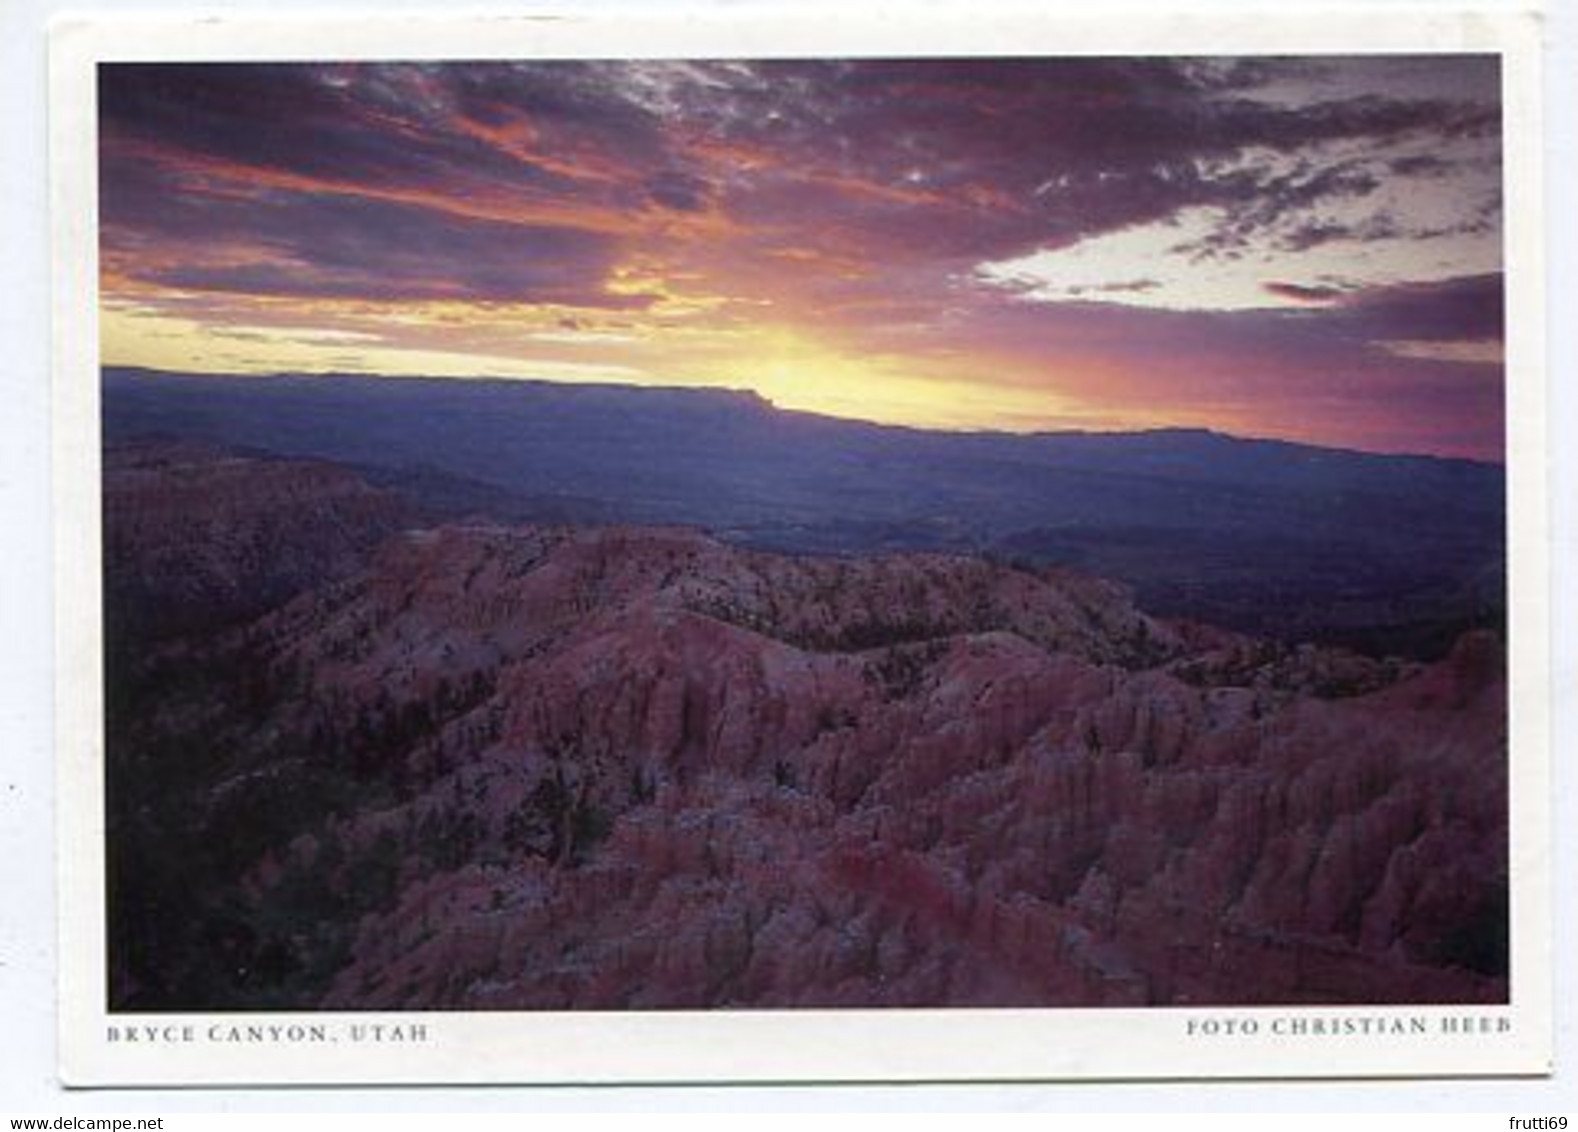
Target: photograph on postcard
x,y
610,535
860,556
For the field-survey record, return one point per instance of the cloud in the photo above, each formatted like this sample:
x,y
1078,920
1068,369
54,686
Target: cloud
x,y
679,191
1467,309
922,162
1298,293
1022,221
176,234
1486,352
368,125
1015,156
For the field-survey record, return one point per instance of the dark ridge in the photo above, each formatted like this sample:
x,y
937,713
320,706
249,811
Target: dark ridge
x,y
1268,536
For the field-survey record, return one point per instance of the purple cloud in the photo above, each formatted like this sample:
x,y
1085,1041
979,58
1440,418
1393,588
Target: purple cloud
x,y
858,197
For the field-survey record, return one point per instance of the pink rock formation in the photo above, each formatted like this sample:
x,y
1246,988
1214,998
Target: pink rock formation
x,y
195,537
995,792
628,768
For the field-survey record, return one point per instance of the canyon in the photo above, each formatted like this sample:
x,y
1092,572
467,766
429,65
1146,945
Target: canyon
x,y
369,753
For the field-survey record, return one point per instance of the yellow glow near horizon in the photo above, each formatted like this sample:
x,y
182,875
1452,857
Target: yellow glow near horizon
x,y
795,372
164,342
789,368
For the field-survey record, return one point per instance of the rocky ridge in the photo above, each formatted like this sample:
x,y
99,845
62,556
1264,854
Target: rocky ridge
x,y
496,767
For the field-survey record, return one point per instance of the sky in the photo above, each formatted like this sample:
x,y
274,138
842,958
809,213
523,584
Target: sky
x,y
1298,247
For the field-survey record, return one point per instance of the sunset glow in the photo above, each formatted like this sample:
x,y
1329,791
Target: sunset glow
x,y
1300,248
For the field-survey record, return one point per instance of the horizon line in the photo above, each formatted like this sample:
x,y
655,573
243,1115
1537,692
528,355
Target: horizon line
x,y
761,398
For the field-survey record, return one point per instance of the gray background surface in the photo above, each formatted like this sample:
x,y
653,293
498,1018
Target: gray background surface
x,y
27,911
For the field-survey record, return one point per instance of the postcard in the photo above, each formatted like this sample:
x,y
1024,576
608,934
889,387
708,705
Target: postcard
x,y
763,548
